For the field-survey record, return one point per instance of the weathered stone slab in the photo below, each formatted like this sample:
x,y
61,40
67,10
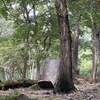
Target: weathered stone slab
x,y
50,69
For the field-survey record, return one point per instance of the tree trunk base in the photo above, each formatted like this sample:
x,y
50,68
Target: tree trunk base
x,y
64,87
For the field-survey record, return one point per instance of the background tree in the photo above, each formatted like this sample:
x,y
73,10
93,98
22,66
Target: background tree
x,y
95,45
76,43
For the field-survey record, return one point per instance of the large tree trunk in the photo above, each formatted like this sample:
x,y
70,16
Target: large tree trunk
x,y
76,42
65,82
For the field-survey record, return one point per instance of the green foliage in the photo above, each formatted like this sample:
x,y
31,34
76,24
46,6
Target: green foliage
x,y
35,30
85,62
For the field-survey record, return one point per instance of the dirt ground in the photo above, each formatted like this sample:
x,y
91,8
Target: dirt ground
x,y
85,91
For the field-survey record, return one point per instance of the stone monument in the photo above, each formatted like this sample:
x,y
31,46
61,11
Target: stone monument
x,y
49,72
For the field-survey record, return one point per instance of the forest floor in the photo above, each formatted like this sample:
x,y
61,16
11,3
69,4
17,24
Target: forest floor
x,y
85,91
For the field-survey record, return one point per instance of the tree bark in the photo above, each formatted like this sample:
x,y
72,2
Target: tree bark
x,y
95,54
94,43
3,74
65,83
37,71
76,42
32,71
